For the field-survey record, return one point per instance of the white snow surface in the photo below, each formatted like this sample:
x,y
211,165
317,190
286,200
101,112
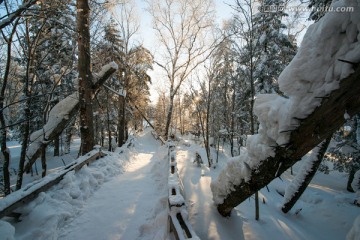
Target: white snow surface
x,y
104,69
324,211
314,73
354,233
121,196
124,196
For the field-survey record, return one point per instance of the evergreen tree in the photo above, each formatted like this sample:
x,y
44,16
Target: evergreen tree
x,y
346,152
272,48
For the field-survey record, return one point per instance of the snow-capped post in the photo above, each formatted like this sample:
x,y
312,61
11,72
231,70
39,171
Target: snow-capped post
x,y
319,89
306,173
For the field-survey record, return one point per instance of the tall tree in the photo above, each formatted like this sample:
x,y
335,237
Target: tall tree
x,y
85,77
183,28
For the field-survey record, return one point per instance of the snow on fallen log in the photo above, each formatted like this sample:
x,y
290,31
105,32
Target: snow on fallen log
x,y
311,81
60,115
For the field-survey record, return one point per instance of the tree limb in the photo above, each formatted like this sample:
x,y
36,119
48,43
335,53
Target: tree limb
x,y
5,22
319,125
51,130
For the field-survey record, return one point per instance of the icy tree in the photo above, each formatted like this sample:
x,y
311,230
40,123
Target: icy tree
x,y
272,48
321,84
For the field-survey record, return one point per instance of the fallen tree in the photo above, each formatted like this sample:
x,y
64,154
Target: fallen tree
x,y
60,116
322,84
320,125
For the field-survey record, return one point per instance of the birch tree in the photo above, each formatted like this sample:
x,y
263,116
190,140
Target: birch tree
x,y
183,29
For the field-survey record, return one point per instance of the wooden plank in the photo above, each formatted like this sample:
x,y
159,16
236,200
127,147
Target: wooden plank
x,y
34,193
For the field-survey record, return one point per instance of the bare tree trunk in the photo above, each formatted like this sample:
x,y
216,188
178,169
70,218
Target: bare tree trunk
x,y
169,116
350,179
85,77
3,138
27,113
57,147
121,121
305,178
108,122
68,134
43,160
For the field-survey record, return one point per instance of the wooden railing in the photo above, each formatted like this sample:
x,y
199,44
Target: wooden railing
x,y
178,215
32,190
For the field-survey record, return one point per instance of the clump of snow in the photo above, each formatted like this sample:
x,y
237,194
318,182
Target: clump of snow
x,y
346,116
314,73
105,69
7,230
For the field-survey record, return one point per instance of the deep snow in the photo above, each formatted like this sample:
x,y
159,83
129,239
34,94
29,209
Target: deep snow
x,y
122,196
326,209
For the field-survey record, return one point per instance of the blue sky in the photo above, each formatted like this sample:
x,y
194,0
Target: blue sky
x,y
147,36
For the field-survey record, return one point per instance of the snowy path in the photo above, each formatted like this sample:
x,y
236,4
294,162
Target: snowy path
x,y
122,207
122,196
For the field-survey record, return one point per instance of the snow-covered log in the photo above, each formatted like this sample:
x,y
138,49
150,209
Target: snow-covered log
x,y
60,116
321,83
306,173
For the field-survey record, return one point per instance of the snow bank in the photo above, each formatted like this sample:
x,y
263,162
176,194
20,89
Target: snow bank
x,y
7,230
314,73
51,210
354,233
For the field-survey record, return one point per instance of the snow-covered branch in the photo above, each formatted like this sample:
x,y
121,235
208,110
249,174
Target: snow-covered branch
x,y
5,22
320,89
60,115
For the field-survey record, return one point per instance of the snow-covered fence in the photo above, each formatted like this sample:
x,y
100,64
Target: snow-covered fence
x,y
32,190
178,215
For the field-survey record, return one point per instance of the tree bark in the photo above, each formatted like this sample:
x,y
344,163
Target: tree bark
x,y
350,179
108,122
3,139
319,125
306,179
121,121
85,77
169,116
43,160
57,147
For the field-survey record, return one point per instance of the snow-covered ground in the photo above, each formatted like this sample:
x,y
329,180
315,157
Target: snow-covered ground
x,y
122,196
325,211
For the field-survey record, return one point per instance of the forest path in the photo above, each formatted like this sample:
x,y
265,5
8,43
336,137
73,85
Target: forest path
x,y
123,206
